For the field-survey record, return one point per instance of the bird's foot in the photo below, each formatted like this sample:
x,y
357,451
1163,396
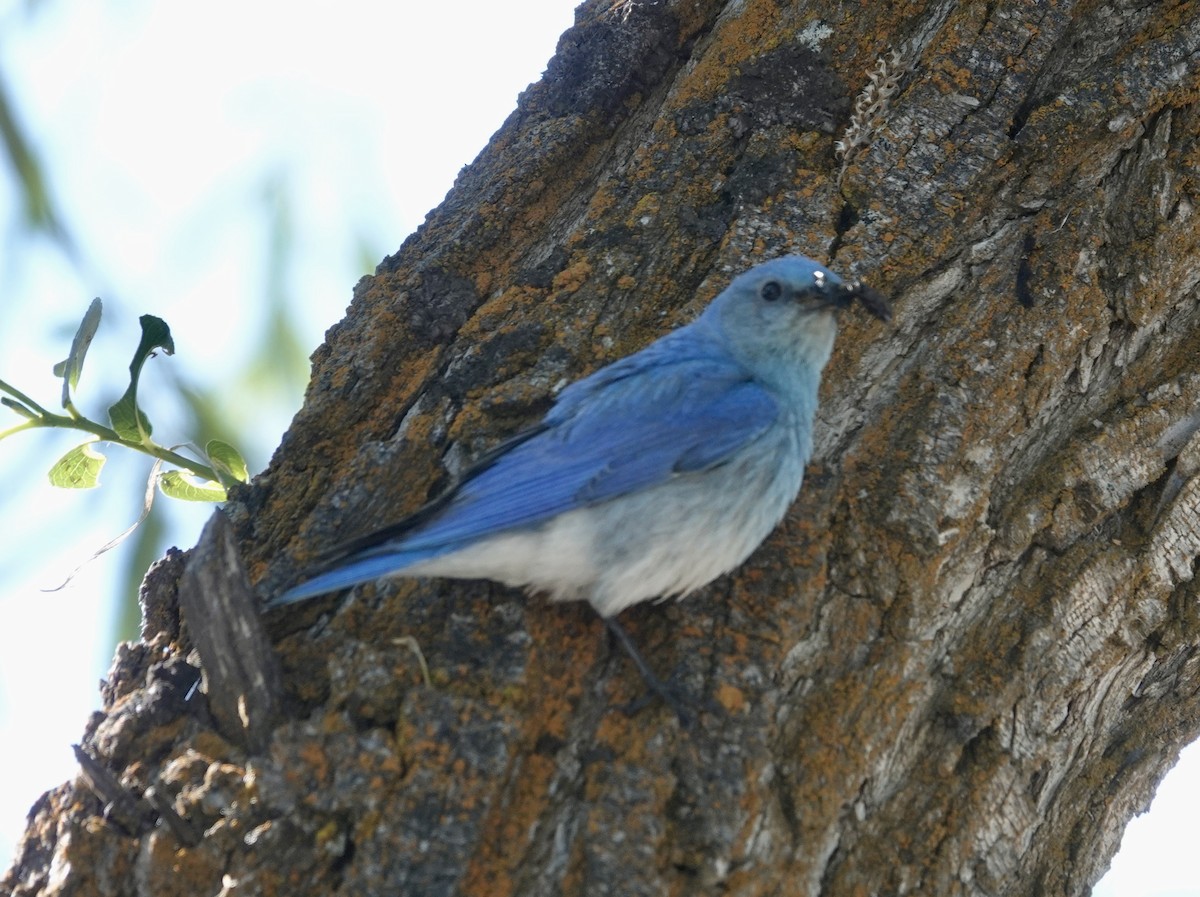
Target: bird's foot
x,y
681,707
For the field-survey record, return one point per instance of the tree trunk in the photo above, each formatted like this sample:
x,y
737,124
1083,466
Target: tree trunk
x,y
962,663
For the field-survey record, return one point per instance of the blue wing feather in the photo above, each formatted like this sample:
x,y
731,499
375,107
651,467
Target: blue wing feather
x,y
626,434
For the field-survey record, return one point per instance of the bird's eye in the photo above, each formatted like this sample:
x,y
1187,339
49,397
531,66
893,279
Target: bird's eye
x,y
770,291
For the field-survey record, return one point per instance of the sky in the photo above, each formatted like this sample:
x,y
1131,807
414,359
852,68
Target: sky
x,y
170,134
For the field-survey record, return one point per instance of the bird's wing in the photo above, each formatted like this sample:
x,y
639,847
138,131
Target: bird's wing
x,y
637,426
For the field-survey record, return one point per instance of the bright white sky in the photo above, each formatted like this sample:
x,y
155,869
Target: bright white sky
x,y
159,124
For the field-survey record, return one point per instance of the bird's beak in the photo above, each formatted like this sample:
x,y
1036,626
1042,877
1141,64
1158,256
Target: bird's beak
x,y
857,291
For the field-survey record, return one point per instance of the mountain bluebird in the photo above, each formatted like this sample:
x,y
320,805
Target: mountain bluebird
x,y
649,478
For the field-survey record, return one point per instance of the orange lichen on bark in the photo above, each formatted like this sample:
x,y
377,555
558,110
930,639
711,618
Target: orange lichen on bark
x,y
732,698
737,40
174,871
573,276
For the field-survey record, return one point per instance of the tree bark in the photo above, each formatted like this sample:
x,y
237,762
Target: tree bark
x,y
962,663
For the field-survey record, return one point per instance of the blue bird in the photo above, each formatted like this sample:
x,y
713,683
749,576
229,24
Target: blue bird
x,y
649,478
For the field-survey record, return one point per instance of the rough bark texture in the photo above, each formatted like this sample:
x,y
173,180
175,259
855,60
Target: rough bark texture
x,y
961,664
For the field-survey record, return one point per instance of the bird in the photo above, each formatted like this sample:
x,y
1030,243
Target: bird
x,y
647,479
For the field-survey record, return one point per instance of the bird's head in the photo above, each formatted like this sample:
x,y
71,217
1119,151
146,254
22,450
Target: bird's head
x,y
783,314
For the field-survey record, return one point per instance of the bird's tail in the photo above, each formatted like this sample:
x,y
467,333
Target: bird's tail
x,y
351,572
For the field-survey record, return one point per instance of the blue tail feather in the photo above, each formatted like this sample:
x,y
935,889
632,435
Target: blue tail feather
x,y
366,568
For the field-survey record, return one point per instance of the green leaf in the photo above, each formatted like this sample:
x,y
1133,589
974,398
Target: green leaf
x,y
70,368
78,469
227,462
176,484
127,418
155,335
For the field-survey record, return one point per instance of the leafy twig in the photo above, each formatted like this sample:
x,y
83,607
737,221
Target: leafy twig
x,y
80,467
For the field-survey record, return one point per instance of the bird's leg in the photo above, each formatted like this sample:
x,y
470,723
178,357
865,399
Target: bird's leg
x,y
656,685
